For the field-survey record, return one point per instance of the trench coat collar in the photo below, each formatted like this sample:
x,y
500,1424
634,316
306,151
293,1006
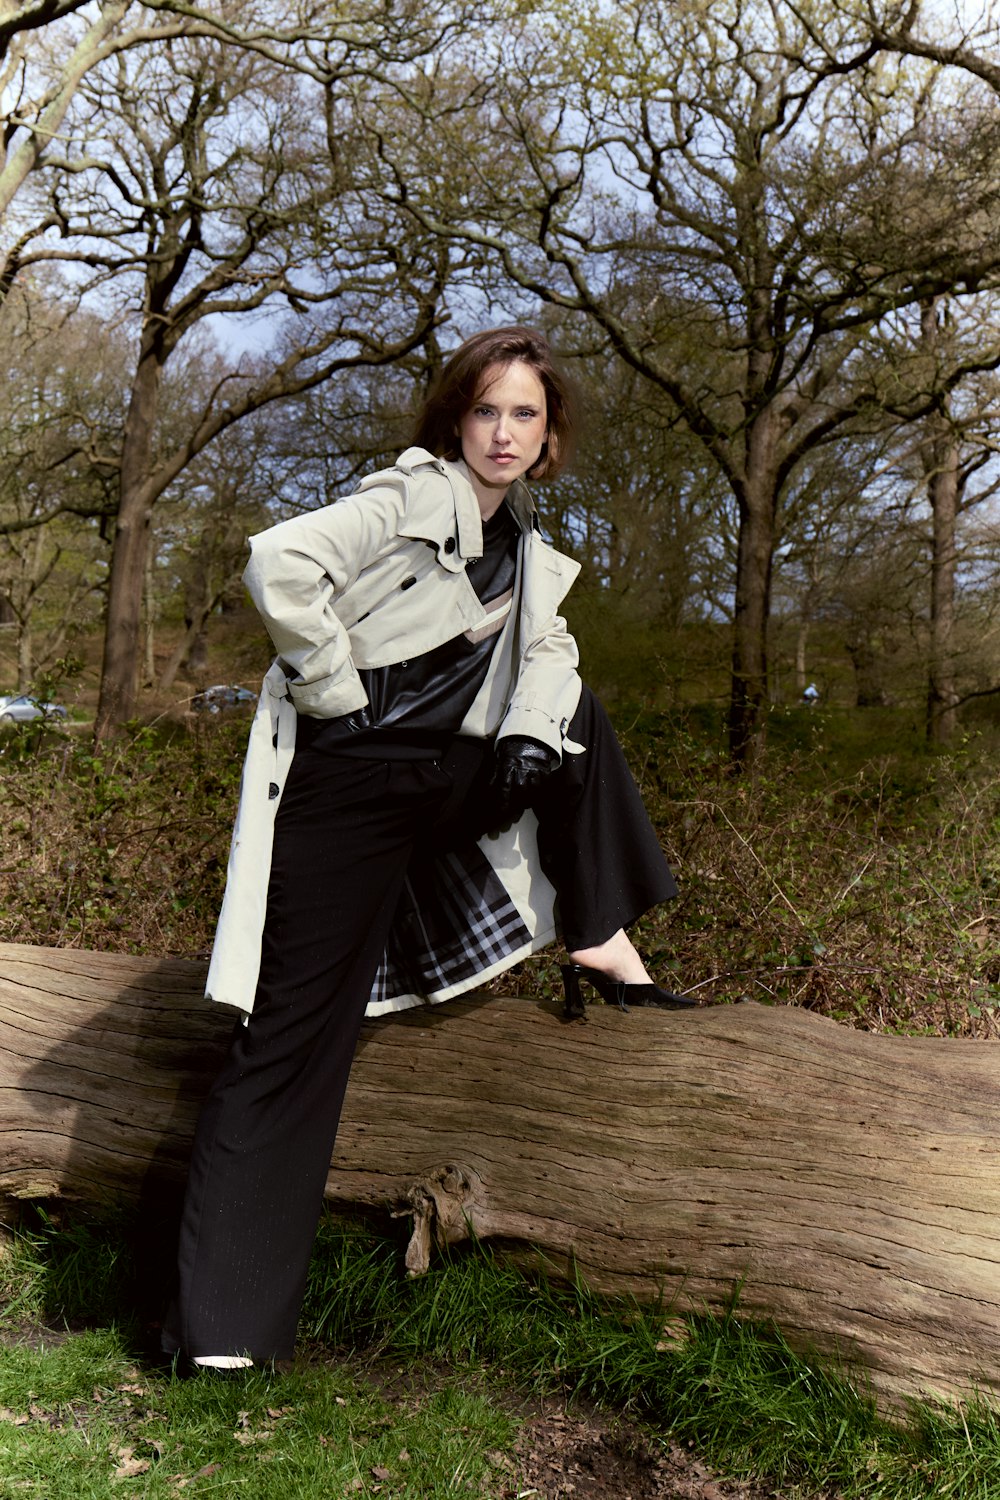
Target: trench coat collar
x,y
467,515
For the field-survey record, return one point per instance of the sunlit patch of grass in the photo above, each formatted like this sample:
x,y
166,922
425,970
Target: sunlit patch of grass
x,y
730,1388
404,1390
82,1420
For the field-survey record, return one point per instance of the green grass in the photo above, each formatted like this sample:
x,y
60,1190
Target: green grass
x,y
404,1389
81,1420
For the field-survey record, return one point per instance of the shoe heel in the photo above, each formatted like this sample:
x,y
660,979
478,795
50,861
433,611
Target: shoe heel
x,y
573,1006
611,991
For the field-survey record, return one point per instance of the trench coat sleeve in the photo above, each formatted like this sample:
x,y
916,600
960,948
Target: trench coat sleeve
x,y
297,572
548,689
548,686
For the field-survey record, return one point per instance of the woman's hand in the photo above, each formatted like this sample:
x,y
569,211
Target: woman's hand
x,y
521,766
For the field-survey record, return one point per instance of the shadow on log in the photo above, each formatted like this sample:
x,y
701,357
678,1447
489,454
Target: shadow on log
x,y
849,1184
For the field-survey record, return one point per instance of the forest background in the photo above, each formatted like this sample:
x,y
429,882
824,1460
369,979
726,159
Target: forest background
x,y
237,241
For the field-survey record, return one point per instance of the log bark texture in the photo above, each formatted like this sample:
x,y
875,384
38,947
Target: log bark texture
x,y
849,1184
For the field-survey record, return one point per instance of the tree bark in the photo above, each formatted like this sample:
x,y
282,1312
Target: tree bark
x,y
120,664
844,1184
942,695
942,465
149,615
757,488
754,561
801,642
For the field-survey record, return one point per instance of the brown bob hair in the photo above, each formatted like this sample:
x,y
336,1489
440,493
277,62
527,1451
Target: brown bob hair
x,y
460,382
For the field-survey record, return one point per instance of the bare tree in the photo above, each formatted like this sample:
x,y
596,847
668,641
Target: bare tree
x,y
60,413
914,29
37,93
957,457
778,185
202,180
851,565
47,48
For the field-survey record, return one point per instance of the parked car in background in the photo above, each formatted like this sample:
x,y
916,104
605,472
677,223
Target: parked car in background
x,y
22,709
223,695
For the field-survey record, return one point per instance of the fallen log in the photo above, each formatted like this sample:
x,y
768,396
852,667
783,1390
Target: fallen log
x,y
847,1184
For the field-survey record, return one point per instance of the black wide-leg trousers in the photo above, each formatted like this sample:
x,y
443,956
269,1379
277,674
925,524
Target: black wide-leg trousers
x,y
345,834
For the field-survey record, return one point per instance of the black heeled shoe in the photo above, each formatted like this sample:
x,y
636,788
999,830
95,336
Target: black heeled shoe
x,y
616,992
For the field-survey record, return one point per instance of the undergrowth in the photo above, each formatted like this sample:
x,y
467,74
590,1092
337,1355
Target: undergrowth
x,y
852,875
79,1414
123,850
853,872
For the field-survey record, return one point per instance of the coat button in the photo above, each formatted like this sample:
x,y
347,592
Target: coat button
x,y
449,544
407,583
272,791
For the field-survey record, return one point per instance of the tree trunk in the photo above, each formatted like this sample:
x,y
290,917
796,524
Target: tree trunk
x,y
149,611
941,464
178,656
196,661
755,549
25,657
869,687
192,649
846,1185
757,492
801,642
33,574
120,666
942,697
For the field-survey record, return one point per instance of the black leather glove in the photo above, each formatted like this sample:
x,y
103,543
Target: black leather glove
x,y
521,765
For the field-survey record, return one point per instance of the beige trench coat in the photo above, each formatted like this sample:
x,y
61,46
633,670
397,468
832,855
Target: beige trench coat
x,y
368,582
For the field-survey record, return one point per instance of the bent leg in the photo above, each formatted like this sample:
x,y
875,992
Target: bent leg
x,y
595,840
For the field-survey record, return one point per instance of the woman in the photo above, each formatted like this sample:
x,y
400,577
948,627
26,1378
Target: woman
x,y
428,794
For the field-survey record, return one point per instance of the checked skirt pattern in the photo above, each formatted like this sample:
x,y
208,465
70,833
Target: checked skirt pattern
x,y
455,919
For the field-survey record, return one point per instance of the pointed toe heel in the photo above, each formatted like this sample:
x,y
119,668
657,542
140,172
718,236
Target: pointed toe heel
x,y
617,992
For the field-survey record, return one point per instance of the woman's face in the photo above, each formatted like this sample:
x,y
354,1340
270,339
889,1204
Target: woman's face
x,y
503,431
